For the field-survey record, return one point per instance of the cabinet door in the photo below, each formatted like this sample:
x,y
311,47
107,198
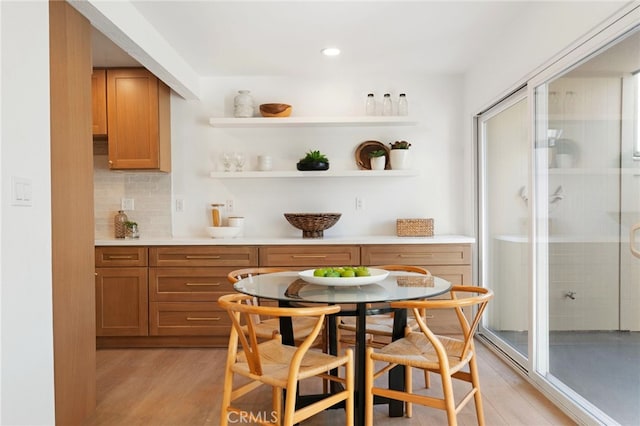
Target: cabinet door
x,y
121,302
99,101
133,119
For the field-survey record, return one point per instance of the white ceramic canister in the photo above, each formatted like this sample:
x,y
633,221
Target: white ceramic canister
x,y
265,163
243,104
237,221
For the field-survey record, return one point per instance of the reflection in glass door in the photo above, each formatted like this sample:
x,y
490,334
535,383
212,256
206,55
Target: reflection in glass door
x,y
503,153
586,202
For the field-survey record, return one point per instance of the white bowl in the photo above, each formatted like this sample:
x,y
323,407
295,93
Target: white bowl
x,y
223,231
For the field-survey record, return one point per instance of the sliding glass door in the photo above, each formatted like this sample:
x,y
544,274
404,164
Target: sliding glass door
x,y
588,196
559,228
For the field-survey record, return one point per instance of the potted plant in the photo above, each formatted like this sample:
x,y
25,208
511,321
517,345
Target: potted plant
x,y
399,155
314,160
378,159
131,229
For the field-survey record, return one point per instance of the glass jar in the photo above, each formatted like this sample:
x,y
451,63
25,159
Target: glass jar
x,y
386,105
119,224
243,104
403,105
370,105
216,217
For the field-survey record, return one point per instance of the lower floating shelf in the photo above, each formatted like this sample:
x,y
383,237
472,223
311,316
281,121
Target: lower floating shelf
x,y
314,174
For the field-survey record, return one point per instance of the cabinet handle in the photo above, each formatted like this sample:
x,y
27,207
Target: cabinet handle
x,y
203,319
202,284
305,256
417,255
119,256
204,256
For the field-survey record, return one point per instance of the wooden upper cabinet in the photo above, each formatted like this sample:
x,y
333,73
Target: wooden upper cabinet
x,y
99,102
138,120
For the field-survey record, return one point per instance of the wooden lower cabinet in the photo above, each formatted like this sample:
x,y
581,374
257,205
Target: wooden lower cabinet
x,y
166,296
182,301
185,283
122,301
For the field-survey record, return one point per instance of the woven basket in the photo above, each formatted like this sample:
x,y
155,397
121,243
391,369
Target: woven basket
x,y
414,227
312,224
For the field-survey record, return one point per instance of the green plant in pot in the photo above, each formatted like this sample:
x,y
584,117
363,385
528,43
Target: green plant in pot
x,y
378,159
131,229
313,160
399,155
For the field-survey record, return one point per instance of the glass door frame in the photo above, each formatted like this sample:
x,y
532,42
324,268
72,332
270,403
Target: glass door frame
x,y
480,121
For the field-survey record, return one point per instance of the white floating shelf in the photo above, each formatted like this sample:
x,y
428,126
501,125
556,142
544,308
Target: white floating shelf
x,y
311,121
314,174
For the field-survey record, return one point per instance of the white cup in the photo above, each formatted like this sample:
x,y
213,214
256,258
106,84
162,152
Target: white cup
x,y
237,221
265,163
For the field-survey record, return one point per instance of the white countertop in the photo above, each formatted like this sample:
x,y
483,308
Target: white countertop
x,y
248,241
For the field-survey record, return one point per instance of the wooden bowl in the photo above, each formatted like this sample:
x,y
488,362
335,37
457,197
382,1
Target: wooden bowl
x,y
275,110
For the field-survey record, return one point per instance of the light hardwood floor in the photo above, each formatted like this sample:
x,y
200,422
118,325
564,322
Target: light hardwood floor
x,y
182,387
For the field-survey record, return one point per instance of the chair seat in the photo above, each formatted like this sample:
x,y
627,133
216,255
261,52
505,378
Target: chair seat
x,y
276,362
415,350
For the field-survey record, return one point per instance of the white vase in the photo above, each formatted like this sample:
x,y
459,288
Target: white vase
x,y
378,163
243,104
400,159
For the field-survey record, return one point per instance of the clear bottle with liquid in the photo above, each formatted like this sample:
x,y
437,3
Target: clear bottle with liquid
x,y
386,105
403,104
370,105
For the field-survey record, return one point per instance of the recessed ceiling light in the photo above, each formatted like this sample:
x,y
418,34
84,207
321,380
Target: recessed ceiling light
x,y
330,51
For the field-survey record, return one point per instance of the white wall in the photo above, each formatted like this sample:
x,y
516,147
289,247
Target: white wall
x,y
26,352
437,147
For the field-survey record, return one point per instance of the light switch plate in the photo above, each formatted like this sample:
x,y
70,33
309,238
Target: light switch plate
x,y
21,191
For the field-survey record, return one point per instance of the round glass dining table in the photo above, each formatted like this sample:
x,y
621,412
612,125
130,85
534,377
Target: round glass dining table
x,y
288,288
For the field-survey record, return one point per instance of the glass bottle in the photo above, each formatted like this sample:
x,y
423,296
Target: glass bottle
x,y
243,104
386,104
118,222
403,105
370,106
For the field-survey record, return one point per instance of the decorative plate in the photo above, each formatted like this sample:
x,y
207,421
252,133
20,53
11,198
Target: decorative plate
x,y
362,154
376,275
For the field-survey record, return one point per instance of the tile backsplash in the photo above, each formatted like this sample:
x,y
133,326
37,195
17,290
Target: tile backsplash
x,y
150,191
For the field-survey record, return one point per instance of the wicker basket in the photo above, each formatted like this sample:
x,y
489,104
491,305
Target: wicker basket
x,y
312,224
414,227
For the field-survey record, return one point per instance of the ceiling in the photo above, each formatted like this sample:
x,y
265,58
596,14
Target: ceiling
x,y
226,38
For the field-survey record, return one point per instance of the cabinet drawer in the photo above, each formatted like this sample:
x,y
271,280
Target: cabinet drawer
x,y
428,254
121,256
236,256
187,319
188,284
310,256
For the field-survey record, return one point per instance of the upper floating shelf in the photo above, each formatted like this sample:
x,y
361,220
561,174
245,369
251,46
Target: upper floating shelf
x,y
314,174
311,121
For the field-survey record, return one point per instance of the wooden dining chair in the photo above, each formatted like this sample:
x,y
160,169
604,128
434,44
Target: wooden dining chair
x,y
379,327
268,327
443,355
271,363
